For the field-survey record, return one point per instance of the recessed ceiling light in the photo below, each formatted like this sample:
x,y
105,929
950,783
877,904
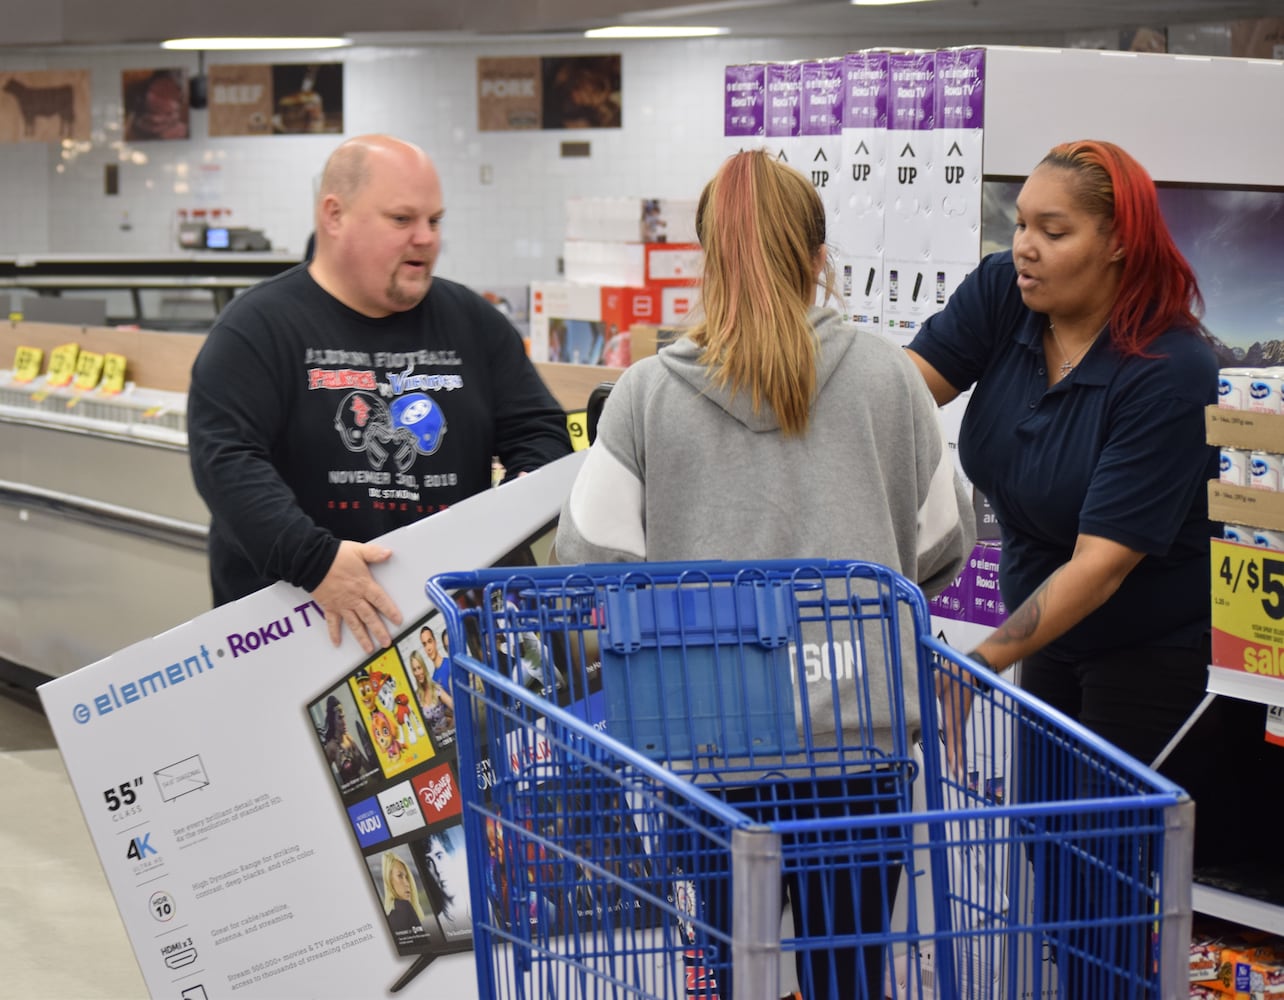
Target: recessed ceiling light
x,y
639,31
245,44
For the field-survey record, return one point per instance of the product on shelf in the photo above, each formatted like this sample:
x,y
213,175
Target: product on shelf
x,y
1253,972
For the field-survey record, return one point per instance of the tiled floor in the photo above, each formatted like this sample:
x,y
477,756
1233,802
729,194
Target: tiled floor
x,y
61,937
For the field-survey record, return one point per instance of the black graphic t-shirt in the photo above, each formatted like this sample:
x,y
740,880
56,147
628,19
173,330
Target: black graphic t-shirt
x,y
309,423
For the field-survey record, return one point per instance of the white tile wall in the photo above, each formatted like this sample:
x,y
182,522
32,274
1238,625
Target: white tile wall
x,y
508,232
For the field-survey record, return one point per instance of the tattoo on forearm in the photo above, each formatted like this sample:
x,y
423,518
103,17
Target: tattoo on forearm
x,y
1025,620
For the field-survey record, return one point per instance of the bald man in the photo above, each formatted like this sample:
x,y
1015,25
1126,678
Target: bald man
x,y
354,394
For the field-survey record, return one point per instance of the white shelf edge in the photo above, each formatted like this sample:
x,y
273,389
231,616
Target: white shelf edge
x,y
1247,687
1236,908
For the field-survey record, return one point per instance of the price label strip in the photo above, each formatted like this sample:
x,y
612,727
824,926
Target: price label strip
x,y
1248,608
26,364
577,426
62,365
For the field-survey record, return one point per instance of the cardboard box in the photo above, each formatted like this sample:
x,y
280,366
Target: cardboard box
x,y
1253,972
677,303
1245,505
648,338
631,220
1244,429
955,601
624,308
631,264
986,605
598,262
586,324
553,305
673,263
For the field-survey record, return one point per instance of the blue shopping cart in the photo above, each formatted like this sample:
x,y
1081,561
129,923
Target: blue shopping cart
x,y
730,780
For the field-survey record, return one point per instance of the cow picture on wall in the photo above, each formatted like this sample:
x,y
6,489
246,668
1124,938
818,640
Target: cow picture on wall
x,y
44,106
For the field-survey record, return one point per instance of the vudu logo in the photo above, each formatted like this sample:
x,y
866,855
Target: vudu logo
x,y
367,822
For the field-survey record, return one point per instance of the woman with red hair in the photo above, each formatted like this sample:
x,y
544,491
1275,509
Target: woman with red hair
x,y
1089,372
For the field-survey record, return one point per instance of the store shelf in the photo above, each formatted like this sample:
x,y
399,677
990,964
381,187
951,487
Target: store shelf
x,y
1252,897
1246,687
1229,900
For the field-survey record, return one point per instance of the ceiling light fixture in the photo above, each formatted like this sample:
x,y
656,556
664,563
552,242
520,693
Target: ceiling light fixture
x,y
640,31
884,3
248,44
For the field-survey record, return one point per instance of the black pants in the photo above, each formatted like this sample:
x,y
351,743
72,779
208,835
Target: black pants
x,y
1135,699
840,885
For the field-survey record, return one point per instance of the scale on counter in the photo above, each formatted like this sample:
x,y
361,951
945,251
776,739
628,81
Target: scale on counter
x,y
201,236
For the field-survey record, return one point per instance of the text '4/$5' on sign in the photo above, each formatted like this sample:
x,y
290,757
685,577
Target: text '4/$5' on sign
x,y
1248,608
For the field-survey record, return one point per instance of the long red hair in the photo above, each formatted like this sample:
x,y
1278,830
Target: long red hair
x,y
1157,289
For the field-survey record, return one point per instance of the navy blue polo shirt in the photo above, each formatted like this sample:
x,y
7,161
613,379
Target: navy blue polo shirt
x,y
1114,449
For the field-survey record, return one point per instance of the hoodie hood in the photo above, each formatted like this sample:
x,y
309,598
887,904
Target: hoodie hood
x,y
835,337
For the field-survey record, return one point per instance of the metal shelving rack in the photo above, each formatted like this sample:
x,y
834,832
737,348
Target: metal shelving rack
x,y
1218,902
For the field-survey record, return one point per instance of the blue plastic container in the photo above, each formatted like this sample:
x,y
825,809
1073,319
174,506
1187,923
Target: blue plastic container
x,y
692,670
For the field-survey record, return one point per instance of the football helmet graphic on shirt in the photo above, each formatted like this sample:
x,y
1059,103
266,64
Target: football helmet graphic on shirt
x,y
414,424
417,413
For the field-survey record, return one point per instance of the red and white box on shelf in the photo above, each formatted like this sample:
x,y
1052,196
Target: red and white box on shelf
x,y
597,262
588,324
631,220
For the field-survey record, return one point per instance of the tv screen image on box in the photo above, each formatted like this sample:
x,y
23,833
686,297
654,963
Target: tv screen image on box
x,y
386,732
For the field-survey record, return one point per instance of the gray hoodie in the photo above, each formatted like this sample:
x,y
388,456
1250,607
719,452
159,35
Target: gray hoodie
x,y
681,470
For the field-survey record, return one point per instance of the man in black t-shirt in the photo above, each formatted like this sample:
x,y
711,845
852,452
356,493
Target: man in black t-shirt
x,y
356,393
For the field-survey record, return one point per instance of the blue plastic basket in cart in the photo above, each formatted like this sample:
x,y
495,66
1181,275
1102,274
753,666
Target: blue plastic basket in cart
x,y
719,754
694,670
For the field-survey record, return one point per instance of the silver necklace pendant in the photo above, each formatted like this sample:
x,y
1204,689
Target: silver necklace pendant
x,y
1066,368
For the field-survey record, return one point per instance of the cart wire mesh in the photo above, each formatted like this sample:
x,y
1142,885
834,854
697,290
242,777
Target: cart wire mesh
x,y
733,780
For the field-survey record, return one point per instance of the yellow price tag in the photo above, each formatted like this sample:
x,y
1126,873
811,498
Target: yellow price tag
x,y
26,363
114,366
577,426
1248,608
62,364
89,370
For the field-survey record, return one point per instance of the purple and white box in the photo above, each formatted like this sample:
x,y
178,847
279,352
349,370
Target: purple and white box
x,y
744,103
821,128
783,122
909,278
987,606
856,233
955,600
960,121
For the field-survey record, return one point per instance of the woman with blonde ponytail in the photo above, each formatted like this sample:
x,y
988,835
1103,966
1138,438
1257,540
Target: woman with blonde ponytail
x,y
775,429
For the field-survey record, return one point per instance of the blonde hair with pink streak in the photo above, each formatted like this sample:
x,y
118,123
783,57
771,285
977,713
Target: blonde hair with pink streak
x,y
762,227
